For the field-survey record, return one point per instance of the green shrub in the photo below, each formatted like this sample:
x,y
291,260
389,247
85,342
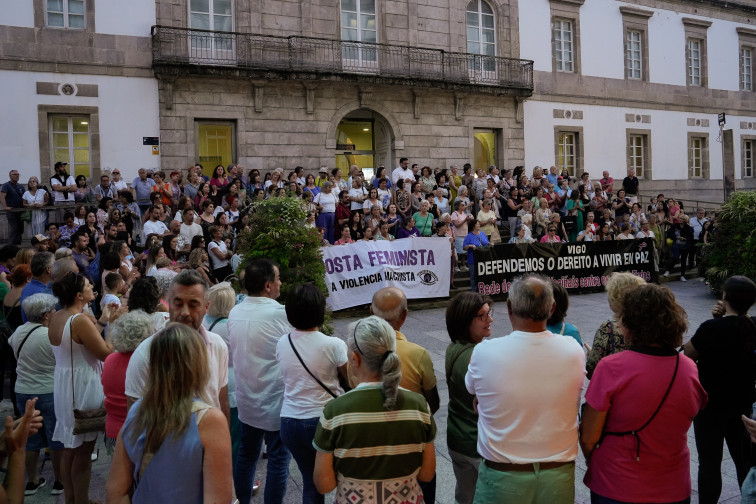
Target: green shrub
x,y
277,232
733,250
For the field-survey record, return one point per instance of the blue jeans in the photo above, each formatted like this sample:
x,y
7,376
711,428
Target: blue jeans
x,y
246,464
43,437
297,434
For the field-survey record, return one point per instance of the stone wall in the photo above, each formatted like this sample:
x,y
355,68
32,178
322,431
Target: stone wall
x,y
275,127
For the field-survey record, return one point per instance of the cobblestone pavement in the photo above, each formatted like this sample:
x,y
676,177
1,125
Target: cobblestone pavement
x,y
427,328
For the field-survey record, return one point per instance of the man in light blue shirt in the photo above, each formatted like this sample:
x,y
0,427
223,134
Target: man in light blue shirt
x,y
142,187
41,270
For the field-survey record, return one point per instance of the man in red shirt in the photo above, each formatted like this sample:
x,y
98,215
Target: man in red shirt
x,y
343,212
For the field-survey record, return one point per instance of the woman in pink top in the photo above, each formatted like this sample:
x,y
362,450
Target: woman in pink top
x,y
639,406
219,178
124,334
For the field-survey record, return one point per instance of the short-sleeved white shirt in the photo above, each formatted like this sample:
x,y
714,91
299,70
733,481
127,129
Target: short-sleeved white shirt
x,y
357,193
327,201
217,352
190,231
323,355
155,227
215,260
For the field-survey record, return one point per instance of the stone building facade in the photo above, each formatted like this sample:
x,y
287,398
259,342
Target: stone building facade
x,y
296,84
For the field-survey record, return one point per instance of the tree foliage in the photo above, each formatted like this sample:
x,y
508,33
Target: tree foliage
x,y
733,250
277,231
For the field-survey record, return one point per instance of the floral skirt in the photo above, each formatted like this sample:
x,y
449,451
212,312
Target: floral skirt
x,y
404,490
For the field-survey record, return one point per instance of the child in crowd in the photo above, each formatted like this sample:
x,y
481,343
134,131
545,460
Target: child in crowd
x,y
114,288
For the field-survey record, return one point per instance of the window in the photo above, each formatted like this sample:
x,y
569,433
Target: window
x,y
213,15
747,40
746,68
481,31
70,143
566,152
563,45
694,62
698,156
633,54
66,14
696,68
638,152
749,145
635,25
359,24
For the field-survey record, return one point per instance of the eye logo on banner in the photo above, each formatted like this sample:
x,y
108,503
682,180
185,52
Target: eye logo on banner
x,y
427,277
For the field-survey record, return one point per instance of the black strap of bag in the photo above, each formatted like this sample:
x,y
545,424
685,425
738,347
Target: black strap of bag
x,y
18,352
635,432
308,371
216,321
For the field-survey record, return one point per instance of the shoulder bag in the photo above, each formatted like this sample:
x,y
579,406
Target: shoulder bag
x,y
635,432
308,371
89,420
24,341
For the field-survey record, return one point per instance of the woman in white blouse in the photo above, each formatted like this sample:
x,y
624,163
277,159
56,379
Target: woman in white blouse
x,y
36,197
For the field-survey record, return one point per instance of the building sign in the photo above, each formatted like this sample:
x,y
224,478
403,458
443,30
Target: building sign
x,y
345,147
420,267
578,267
150,140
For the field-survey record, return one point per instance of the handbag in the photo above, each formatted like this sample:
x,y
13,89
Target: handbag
x,y
88,420
496,236
307,369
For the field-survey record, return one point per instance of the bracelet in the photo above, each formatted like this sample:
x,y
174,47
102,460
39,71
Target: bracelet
x,y
101,324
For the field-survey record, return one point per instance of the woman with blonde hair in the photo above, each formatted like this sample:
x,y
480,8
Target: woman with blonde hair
x,y
609,338
198,261
350,458
221,298
172,422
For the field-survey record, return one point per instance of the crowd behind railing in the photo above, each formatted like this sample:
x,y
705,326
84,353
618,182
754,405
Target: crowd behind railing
x,y
132,258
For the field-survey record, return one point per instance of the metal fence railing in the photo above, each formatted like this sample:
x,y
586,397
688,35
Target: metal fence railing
x,y
184,46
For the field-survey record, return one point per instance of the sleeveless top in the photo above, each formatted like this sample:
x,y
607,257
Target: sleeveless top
x,y
165,479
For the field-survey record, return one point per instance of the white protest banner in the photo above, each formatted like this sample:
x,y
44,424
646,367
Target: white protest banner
x,y
420,267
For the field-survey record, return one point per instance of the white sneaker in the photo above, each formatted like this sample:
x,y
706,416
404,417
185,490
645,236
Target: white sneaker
x,y
666,274
682,279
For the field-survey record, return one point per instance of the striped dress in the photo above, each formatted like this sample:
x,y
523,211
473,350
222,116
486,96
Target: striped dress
x,y
377,453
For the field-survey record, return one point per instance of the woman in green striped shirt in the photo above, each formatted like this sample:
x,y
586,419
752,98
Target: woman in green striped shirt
x,y
376,440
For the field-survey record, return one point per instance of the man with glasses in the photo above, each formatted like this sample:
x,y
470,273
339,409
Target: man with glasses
x,y
527,387
104,189
118,183
11,197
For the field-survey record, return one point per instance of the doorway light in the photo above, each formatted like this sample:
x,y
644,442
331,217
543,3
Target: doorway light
x,y
365,129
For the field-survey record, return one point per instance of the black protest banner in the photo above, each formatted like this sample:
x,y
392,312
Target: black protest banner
x,y
579,267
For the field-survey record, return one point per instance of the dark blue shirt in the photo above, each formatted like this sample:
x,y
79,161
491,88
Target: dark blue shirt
x,y
13,193
33,287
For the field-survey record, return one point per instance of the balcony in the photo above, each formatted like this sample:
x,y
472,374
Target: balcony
x,y
183,51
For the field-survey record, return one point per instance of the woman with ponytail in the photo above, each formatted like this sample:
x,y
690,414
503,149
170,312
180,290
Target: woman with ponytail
x,y
376,437
724,349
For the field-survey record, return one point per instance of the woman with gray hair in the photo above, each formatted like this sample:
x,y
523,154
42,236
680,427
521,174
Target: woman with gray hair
x,y
36,378
325,202
351,458
125,334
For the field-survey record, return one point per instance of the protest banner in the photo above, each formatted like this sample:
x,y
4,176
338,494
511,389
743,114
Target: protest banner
x,y
420,267
578,267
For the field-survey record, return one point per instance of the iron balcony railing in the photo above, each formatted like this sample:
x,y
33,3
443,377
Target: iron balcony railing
x,y
182,46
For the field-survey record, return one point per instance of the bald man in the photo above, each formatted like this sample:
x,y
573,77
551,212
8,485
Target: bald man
x,y
418,376
527,387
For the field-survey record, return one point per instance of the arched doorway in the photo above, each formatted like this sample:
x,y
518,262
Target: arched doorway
x,y
363,138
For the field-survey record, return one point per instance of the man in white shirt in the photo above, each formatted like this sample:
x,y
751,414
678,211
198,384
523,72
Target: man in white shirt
x,y
188,303
118,183
189,229
155,225
402,171
527,386
254,327
697,223
63,185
